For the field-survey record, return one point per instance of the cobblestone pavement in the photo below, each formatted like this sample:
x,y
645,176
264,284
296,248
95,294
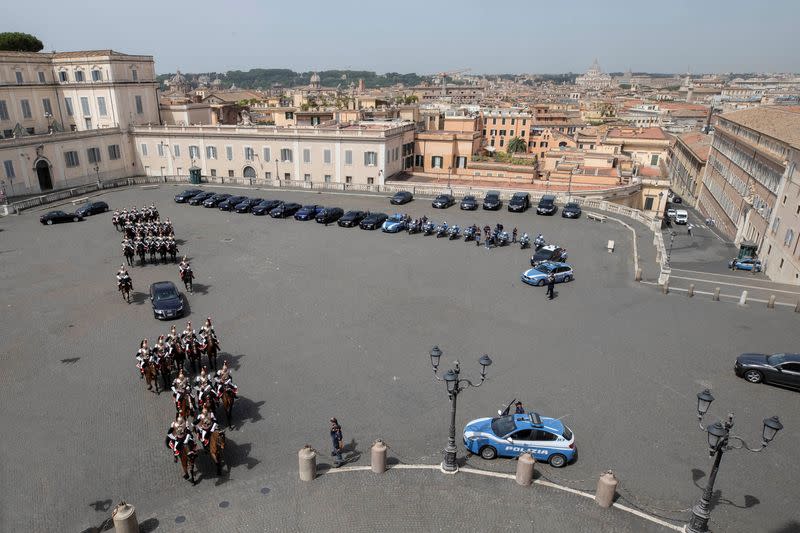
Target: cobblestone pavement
x,y
323,321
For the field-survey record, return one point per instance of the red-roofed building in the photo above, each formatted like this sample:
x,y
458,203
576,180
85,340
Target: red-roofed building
x,y
687,164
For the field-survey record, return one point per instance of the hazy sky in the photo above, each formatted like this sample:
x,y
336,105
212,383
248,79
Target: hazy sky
x,y
425,36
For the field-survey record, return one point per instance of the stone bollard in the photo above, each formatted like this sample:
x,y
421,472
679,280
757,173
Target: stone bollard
x,y
690,292
379,456
665,287
638,276
716,295
743,299
525,466
307,457
771,302
606,489
124,517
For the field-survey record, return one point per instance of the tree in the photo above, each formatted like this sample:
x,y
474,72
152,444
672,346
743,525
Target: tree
x,y
19,42
516,145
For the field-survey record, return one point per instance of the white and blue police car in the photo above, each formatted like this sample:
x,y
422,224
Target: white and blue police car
x,y
547,439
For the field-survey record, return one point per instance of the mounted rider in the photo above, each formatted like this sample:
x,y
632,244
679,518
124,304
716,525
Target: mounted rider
x,y
123,278
181,386
184,266
180,435
208,333
224,381
172,336
205,391
206,423
143,356
189,335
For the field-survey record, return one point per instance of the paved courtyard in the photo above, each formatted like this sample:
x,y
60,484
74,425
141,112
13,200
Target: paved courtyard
x,y
323,321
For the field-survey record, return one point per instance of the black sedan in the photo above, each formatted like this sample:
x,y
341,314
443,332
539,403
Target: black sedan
x,y
186,195
352,219
401,197
285,210
373,221
520,202
549,252
571,210
228,204
469,203
330,214
265,207
216,199
92,208
198,199
57,217
247,204
492,201
779,368
308,212
443,201
166,300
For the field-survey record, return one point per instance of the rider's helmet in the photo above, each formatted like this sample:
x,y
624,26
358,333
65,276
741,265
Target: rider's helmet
x,y
203,374
144,343
181,376
208,322
224,372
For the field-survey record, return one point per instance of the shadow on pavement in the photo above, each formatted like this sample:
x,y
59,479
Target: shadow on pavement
x,y
199,288
233,360
246,409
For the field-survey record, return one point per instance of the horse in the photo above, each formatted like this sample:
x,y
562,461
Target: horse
x,y
184,406
140,251
115,220
128,252
165,368
178,355
125,288
216,447
162,250
152,249
151,376
172,249
193,353
187,458
211,348
227,404
186,277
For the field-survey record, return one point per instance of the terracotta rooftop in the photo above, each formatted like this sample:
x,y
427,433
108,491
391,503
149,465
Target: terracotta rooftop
x,y
654,134
699,143
779,122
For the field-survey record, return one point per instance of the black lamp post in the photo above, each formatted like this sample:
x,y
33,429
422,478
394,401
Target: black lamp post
x,y
671,241
718,442
454,385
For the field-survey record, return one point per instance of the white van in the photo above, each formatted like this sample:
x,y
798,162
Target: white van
x,y
681,216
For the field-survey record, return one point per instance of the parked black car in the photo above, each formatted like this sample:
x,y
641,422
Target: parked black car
x,y
547,205
401,197
677,199
247,204
57,217
216,199
469,203
92,208
549,252
229,203
198,199
330,214
492,201
520,202
265,207
308,212
443,201
352,219
779,368
571,210
166,300
285,210
186,195
373,221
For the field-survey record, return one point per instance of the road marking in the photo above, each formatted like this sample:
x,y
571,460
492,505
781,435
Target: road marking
x,y
736,285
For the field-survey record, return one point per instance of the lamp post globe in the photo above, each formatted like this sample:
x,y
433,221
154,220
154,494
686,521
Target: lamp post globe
x,y
436,354
716,435
704,400
771,428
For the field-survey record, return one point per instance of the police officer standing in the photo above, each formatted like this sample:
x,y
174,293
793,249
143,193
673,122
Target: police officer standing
x,y
551,284
337,444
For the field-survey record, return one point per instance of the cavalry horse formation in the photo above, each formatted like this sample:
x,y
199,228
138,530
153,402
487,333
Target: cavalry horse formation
x,y
168,365
145,233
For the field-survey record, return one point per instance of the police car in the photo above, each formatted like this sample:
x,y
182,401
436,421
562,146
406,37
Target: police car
x,y
547,439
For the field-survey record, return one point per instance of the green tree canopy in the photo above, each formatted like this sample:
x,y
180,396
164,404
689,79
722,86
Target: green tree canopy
x,y
19,42
516,145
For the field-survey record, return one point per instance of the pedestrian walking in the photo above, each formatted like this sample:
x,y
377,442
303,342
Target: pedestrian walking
x,y
514,235
551,284
689,229
337,442
477,238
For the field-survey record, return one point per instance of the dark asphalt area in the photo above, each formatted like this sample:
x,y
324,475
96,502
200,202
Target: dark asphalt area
x,y
323,321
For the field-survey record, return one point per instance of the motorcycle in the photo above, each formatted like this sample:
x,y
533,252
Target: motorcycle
x,y
414,227
503,238
428,228
469,233
454,233
524,241
441,231
538,242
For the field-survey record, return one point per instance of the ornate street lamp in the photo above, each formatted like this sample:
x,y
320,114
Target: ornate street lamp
x,y
455,384
719,438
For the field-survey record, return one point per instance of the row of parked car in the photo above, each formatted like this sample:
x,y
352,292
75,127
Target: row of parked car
x,y
519,203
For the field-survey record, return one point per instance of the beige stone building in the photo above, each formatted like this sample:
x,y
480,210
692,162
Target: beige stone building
x,y
781,248
502,125
687,164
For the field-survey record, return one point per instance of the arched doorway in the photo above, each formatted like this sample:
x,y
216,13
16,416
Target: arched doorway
x,y
249,172
43,173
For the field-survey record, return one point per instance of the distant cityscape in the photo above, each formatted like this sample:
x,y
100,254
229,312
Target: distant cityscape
x,y
726,143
